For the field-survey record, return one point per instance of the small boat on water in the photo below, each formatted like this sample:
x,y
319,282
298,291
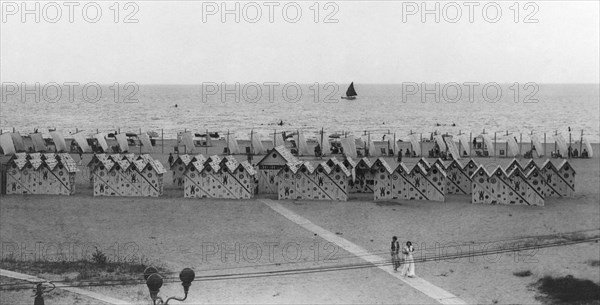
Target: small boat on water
x,y
350,93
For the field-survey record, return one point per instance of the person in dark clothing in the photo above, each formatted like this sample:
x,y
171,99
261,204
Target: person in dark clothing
x,y
170,159
400,156
395,251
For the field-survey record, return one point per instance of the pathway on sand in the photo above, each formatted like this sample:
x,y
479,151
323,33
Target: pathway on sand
x,y
440,295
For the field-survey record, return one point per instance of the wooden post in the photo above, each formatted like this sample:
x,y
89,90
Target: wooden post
x,y
581,143
569,148
471,144
368,144
495,144
421,145
251,141
322,141
506,146
395,145
545,149
555,148
228,151
520,145
206,146
162,140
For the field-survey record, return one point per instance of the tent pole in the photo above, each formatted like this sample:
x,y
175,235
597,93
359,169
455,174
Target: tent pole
x,y
581,142
421,145
470,144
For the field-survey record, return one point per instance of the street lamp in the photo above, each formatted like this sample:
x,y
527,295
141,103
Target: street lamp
x,y
154,282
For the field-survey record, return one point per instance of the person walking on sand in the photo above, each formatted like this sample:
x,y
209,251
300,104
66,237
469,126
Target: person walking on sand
x,y
395,251
170,159
408,268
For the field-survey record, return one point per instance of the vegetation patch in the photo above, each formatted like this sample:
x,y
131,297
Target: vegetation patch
x,y
567,290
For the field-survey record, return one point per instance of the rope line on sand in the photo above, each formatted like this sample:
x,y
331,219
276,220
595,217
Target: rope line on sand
x,y
258,274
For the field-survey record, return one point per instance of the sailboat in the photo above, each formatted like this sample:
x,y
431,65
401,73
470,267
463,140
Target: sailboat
x,y
350,93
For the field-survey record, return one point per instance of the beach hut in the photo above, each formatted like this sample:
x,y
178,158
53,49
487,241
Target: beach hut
x,y
151,172
482,191
198,176
363,177
270,165
323,182
41,174
350,164
210,183
178,167
470,167
288,180
331,182
401,182
299,181
219,178
19,177
382,174
58,174
457,180
559,181
527,188
121,175
238,178
499,187
93,165
127,179
103,179
427,184
513,165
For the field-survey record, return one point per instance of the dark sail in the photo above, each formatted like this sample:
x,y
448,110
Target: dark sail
x,y
351,91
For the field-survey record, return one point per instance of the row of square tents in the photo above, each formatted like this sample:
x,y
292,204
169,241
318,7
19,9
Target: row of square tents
x,y
13,142
126,175
41,174
281,173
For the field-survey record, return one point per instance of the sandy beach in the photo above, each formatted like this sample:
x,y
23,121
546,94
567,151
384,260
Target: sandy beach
x,y
176,232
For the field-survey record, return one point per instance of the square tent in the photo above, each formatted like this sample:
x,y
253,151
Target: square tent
x,y
364,179
120,175
528,188
559,181
270,165
179,166
428,184
382,174
52,174
303,181
219,178
457,180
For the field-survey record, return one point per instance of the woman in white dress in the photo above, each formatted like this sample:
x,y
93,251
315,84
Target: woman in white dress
x,y
408,265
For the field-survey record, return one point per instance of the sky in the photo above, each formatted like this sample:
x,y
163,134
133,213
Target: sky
x,y
180,42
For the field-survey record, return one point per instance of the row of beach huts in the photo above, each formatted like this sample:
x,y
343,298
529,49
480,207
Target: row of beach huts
x,y
280,172
437,145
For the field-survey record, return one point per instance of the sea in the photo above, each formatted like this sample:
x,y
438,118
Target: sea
x,y
399,109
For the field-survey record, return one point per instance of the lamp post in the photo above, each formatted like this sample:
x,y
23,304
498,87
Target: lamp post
x,y
154,282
